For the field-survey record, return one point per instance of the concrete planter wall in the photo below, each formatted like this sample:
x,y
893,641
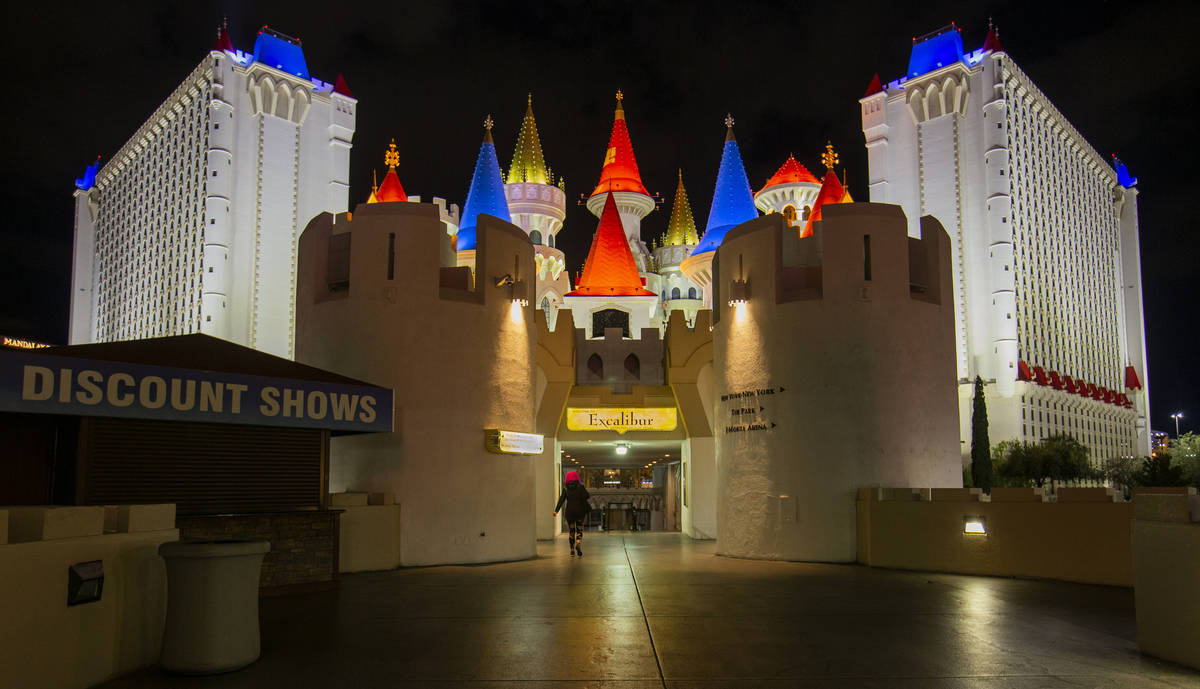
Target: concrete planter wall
x,y
212,605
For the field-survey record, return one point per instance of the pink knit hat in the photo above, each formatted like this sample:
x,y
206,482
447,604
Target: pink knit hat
x,y
571,476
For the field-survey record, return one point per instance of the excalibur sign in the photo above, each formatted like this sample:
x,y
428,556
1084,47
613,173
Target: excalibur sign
x,y
622,419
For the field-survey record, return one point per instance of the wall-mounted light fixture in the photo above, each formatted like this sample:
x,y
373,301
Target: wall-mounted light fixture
x,y
975,525
622,448
739,289
516,289
85,582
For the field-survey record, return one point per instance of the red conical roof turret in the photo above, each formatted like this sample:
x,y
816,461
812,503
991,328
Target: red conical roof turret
x,y
992,43
223,43
791,171
832,191
391,190
610,269
340,86
620,172
875,86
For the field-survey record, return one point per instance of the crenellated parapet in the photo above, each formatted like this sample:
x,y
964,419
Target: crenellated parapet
x,y
380,298
617,361
833,356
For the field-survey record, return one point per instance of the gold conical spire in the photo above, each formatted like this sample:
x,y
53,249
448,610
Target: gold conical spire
x,y
681,228
527,163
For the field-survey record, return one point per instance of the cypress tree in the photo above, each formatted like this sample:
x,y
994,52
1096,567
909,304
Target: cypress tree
x,y
981,452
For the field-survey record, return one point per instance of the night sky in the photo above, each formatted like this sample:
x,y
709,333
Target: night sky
x,y
84,77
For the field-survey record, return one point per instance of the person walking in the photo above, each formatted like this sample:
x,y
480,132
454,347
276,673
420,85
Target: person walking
x,y
576,498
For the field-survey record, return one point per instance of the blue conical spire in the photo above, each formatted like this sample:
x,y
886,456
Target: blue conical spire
x,y
487,191
732,203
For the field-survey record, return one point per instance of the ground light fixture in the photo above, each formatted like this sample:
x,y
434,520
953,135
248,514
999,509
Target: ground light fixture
x,y
975,525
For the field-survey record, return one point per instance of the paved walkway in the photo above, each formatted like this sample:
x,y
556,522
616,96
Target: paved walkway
x,y
641,611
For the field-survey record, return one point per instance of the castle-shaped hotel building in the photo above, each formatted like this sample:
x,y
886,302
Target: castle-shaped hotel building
x,y
1044,267
1044,230
192,225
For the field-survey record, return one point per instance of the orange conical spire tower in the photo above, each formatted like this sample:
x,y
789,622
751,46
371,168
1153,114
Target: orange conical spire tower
x,y
620,177
620,171
610,269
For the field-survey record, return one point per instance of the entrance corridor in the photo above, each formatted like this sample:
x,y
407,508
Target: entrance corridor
x,y
657,610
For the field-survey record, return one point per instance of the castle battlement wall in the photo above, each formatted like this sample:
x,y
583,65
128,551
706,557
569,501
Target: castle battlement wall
x,y
380,298
834,357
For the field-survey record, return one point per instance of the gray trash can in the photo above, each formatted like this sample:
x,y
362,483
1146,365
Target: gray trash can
x,y
212,605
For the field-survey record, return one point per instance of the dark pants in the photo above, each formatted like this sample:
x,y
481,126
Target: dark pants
x,y
576,531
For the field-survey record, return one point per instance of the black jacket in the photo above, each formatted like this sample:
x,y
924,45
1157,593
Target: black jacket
x,y
576,497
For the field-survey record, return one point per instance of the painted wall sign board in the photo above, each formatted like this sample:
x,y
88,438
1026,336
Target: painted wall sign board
x,y
43,384
513,442
622,419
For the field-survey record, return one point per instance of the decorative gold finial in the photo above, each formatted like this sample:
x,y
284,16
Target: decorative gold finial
x,y
681,175
487,122
392,157
829,158
729,120
620,96
530,101
374,182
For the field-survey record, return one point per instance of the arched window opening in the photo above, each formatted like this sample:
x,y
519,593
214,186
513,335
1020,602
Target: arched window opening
x,y
674,292
691,293
789,214
633,367
610,318
595,367
535,237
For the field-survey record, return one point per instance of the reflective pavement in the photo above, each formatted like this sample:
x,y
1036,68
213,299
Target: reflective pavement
x,y
659,610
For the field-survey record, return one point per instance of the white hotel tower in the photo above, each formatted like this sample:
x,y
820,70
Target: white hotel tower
x,y
192,226
1044,235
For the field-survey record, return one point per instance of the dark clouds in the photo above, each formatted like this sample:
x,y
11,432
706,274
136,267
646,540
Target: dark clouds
x,y
427,73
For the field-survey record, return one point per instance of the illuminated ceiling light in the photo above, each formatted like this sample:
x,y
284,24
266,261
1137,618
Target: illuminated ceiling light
x,y
975,525
622,448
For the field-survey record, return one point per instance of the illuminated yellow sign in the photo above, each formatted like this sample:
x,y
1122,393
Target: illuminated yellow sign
x,y
621,419
512,442
20,343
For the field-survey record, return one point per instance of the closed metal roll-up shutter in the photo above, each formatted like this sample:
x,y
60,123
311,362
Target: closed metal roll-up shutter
x,y
202,468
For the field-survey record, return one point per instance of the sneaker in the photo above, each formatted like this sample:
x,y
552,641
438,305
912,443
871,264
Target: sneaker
x,y
579,551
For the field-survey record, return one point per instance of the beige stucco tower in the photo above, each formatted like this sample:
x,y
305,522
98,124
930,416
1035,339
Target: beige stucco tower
x,y
380,297
834,362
